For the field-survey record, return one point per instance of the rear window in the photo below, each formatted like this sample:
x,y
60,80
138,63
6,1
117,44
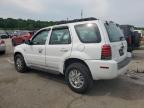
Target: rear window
x,y
24,33
88,33
114,32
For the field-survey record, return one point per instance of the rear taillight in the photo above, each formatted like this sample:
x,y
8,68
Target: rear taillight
x,y
2,42
129,40
106,52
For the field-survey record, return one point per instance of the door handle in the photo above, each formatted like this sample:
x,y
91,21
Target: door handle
x,y
40,50
64,50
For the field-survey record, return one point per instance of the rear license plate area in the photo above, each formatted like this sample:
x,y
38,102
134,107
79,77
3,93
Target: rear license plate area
x,y
121,52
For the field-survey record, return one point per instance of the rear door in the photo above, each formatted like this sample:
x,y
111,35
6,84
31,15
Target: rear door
x,y
91,40
58,48
117,41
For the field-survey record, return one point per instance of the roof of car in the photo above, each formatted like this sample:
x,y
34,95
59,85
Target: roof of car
x,y
76,20
127,26
79,21
64,23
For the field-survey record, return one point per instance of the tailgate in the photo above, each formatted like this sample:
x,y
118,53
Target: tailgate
x,y
119,50
117,41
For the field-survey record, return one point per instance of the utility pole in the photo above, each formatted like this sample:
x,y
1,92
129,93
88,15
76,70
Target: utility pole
x,y
81,14
67,18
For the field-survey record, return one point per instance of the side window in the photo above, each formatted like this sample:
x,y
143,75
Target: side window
x,y
88,33
60,36
40,38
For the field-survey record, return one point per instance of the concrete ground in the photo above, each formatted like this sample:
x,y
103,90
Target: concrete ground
x,y
42,90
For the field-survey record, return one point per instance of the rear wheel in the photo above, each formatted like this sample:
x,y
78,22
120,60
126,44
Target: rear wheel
x,y
78,77
20,64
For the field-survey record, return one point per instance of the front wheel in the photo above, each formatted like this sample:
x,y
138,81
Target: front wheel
x,y
20,64
78,77
13,43
2,52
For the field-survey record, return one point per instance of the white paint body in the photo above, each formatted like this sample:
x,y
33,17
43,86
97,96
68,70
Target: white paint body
x,y
54,56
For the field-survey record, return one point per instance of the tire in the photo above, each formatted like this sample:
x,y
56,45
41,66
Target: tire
x,y
85,77
13,43
20,64
2,52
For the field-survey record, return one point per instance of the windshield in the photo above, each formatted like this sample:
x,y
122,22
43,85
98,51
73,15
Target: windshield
x,y
114,32
21,33
24,33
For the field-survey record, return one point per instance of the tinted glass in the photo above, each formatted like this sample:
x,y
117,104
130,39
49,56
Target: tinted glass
x,y
114,32
24,33
60,36
40,38
88,33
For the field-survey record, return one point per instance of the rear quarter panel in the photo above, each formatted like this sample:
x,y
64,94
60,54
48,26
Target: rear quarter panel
x,y
87,51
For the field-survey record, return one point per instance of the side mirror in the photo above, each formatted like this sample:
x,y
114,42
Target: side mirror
x,y
28,42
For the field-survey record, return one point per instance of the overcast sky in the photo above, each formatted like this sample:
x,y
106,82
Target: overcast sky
x,y
120,11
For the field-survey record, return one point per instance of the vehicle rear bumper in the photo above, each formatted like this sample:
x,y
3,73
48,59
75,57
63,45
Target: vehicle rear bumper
x,y
2,48
110,69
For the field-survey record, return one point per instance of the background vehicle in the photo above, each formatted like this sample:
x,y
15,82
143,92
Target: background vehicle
x,y
20,37
4,36
128,31
139,31
132,37
137,39
2,46
83,50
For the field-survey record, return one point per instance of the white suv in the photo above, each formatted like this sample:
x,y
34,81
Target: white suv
x,y
82,50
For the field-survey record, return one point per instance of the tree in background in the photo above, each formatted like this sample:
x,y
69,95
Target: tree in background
x,y
21,24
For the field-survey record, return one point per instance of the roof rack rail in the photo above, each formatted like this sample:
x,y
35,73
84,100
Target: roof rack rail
x,y
76,20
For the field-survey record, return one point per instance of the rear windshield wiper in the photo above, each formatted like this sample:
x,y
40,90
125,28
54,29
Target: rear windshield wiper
x,y
122,38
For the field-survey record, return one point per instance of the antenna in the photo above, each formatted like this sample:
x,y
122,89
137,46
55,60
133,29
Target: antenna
x,y
81,14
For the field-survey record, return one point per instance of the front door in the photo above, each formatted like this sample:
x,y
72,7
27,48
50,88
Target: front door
x,y
35,53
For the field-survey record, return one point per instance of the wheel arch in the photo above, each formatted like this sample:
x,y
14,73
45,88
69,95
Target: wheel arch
x,y
69,61
16,53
